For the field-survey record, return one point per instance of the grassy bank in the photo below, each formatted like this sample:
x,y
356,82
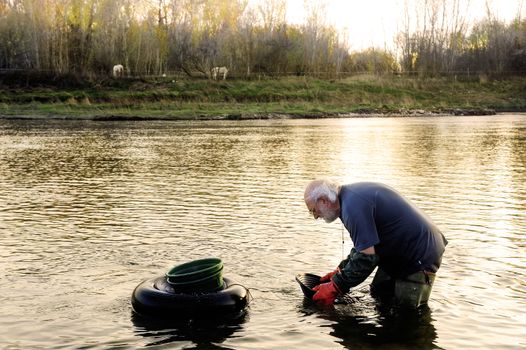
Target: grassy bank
x,y
293,96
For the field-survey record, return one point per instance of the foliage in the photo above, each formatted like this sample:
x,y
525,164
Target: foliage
x,y
88,37
302,96
253,39
443,42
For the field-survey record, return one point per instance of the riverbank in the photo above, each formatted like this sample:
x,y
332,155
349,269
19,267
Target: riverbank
x,y
292,97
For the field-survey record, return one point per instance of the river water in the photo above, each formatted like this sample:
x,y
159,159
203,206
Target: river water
x,y
90,209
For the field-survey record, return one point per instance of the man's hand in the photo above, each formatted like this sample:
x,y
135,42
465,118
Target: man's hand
x,y
328,276
326,293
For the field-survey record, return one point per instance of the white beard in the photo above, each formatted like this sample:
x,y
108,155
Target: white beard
x,y
328,215
330,219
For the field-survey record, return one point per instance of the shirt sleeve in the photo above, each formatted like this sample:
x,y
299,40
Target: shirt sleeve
x,y
358,219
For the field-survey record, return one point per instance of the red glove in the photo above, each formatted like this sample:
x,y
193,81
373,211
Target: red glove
x,y
326,293
328,276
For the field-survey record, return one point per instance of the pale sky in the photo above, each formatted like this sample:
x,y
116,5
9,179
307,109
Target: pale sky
x,y
374,22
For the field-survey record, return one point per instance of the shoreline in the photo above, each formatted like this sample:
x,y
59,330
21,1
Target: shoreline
x,y
286,98
366,113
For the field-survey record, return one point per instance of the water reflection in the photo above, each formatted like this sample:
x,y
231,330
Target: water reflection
x,y
362,323
407,329
88,209
206,333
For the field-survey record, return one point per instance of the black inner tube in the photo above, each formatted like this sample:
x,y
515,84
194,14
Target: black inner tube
x,y
156,297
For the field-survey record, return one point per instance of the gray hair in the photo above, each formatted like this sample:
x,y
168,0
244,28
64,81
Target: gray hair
x,y
322,188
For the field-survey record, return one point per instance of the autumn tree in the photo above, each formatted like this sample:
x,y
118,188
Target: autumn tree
x,y
156,37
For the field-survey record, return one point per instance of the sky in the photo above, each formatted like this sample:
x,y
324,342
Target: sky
x,y
374,23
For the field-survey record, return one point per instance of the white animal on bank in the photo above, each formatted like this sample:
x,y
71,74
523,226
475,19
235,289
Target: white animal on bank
x,y
219,70
118,70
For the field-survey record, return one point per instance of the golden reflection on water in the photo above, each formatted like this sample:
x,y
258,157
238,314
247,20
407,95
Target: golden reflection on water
x,y
89,209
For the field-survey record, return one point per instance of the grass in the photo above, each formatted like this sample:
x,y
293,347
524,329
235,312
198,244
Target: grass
x,y
292,96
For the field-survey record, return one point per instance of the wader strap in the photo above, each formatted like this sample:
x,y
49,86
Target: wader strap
x,y
427,278
427,274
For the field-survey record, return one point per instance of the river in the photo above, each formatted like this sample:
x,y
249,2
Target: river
x,y
90,209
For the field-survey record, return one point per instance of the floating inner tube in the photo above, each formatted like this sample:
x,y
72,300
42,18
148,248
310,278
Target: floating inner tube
x,y
156,297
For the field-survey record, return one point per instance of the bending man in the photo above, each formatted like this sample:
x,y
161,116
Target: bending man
x,y
387,231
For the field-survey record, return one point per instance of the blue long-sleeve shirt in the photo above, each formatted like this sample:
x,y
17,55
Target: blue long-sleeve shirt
x,y
404,238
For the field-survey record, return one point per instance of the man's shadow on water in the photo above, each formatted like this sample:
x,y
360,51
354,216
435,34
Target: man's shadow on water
x,y
204,332
364,323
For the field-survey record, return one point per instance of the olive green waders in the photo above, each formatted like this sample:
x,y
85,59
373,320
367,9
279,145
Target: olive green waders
x,y
412,291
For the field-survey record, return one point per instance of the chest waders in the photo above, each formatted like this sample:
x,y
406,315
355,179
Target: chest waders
x,y
411,291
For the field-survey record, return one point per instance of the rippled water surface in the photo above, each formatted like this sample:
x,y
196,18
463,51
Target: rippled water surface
x,y
90,209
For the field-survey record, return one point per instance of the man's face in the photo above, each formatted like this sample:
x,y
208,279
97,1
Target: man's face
x,y
311,207
327,212
322,209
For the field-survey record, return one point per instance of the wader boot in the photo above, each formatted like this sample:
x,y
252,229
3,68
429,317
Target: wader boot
x,y
411,291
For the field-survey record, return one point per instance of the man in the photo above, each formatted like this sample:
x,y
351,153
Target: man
x,y
387,231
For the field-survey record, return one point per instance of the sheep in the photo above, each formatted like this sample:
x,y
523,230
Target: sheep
x,y
219,70
118,70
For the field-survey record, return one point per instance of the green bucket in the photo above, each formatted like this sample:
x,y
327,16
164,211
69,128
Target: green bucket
x,y
203,275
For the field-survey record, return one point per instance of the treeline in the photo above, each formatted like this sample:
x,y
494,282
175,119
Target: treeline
x,y
156,37
438,38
